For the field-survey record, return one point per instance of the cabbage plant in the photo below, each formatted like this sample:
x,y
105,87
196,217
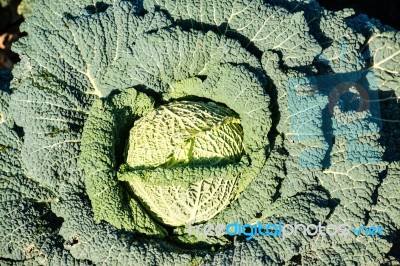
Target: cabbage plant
x,y
127,121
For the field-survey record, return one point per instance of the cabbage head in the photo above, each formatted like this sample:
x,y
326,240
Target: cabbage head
x,y
193,135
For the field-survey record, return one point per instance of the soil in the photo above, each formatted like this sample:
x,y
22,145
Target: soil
x,y
9,33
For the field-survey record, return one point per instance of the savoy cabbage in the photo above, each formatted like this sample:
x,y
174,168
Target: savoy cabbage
x,y
125,121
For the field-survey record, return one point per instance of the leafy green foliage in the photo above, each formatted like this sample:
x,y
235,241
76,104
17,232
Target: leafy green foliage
x,y
28,229
90,71
98,160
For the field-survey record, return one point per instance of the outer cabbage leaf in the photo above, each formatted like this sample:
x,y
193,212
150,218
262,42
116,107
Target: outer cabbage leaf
x,y
385,55
88,38
386,208
18,193
352,173
264,250
343,54
384,59
100,143
52,115
304,139
365,249
387,203
24,203
166,57
105,245
252,22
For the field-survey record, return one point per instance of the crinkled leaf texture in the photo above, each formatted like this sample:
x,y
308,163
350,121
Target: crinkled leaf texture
x,y
203,134
28,228
100,141
306,165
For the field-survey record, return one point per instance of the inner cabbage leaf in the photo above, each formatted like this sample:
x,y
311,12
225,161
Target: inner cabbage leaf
x,y
180,133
